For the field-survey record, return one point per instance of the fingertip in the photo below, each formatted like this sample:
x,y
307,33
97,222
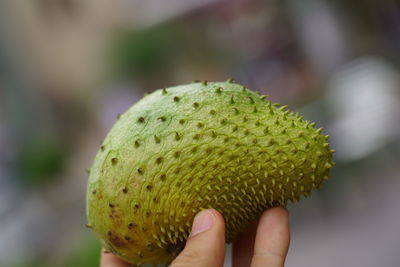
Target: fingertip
x,y
206,243
219,224
207,219
202,222
275,222
218,216
276,214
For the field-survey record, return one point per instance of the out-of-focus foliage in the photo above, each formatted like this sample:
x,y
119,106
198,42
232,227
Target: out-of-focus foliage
x,y
143,52
38,159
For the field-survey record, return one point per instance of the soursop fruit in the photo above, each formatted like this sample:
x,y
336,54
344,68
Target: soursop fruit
x,y
203,145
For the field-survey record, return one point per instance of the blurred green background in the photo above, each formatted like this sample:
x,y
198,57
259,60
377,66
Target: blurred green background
x,y
68,67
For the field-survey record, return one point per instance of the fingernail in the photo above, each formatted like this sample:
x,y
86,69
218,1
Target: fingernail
x,y
202,222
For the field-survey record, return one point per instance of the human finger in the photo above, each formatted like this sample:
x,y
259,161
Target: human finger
x,y
206,243
272,238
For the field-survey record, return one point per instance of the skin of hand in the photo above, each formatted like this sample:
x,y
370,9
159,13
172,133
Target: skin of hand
x,y
263,244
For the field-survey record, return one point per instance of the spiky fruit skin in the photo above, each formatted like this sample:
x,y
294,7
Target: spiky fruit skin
x,y
203,145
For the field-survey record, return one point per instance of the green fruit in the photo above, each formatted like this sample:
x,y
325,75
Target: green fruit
x,y
191,147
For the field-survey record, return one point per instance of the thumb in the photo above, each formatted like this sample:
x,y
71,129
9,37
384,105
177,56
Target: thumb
x,y
206,243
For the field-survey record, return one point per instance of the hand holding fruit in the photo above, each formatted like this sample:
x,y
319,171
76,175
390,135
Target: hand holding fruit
x,y
206,248
184,149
